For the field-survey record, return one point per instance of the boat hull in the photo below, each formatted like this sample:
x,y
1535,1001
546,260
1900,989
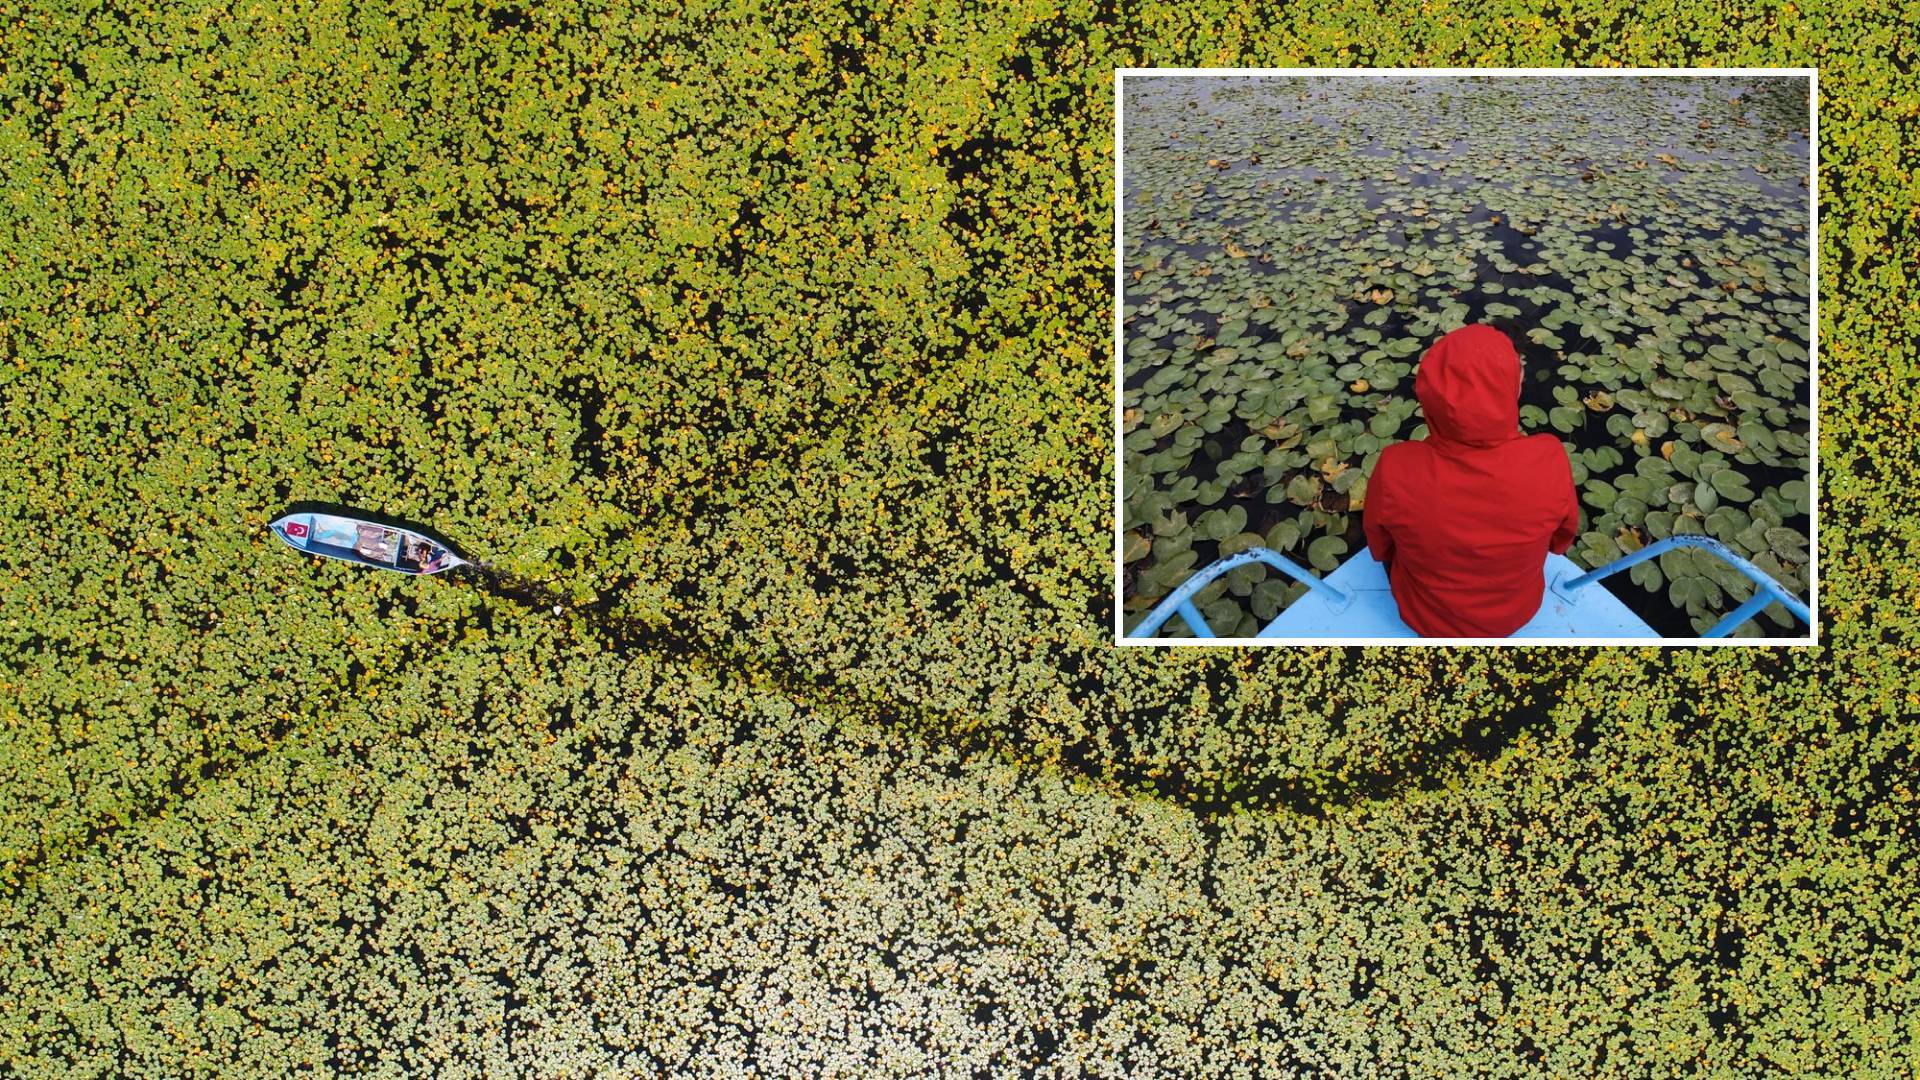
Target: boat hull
x,y
367,543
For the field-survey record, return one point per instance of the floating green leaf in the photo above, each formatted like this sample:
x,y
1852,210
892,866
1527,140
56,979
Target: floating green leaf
x,y
1731,485
1283,536
1325,552
1220,524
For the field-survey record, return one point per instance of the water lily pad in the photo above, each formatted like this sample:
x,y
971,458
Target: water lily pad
x,y
1322,408
1788,544
1241,580
1731,485
1284,536
1234,545
1269,598
1325,553
1725,523
1598,549
1721,437
1220,524
1695,593
1223,616
1646,575
1174,568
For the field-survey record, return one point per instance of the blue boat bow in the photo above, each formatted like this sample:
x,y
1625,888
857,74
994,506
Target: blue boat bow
x,y
1355,601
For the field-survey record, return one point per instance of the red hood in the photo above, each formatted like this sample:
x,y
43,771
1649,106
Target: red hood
x,y
1469,387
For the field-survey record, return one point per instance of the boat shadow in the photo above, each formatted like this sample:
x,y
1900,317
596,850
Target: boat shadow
x,y
1537,678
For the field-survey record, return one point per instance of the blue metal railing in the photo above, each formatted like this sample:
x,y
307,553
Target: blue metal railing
x,y
1180,601
1766,590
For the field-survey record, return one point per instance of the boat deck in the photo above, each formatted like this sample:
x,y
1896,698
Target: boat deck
x,y
1591,612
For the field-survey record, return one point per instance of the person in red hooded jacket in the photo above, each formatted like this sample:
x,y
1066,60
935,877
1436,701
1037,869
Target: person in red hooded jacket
x,y
1464,518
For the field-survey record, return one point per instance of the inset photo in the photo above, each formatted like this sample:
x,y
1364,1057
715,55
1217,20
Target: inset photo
x,y
1449,357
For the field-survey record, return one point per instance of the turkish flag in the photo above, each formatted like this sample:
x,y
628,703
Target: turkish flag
x,y
296,530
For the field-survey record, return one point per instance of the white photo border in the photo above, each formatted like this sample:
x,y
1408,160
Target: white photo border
x,y
1120,76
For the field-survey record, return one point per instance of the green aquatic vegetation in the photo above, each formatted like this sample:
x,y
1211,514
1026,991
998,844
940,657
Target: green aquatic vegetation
x,y
418,889
783,333
1644,239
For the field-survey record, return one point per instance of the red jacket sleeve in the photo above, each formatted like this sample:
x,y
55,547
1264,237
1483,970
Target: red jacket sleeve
x,y
1569,526
1373,516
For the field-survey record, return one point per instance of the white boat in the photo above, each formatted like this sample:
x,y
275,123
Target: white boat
x,y
369,543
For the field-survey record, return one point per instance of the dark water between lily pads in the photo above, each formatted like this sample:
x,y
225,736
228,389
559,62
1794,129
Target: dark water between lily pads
x,y
1668,217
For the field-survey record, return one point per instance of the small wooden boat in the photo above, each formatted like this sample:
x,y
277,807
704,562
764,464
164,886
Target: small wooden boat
x,y
369,543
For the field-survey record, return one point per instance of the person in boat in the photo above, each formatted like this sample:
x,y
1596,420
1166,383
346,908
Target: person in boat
x,y
1464,519
413,553
377,543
